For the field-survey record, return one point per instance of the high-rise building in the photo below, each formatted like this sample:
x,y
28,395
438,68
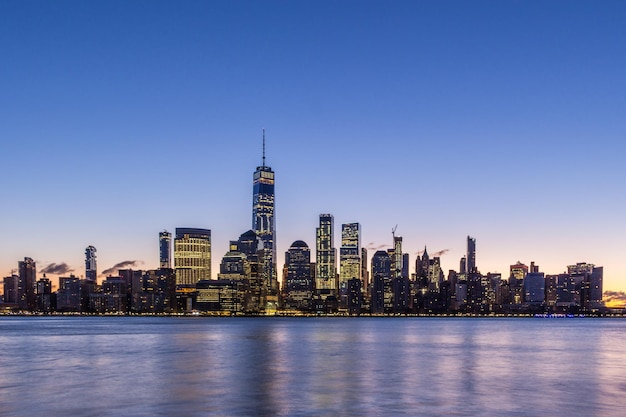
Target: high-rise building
x,y
381,288
44,294
11,289
326,267
68,295
192,255
256,292
264,225
471,255
26,286
518,271
349,257
364,274
298,280
165,260
396,256
91,270
534,287
589,279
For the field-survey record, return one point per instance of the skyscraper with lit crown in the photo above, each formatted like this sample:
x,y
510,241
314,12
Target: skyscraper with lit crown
x,y
165,250
264,225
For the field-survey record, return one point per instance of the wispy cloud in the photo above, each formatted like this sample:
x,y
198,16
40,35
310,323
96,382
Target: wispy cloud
x,y
56,269
615,297
121,265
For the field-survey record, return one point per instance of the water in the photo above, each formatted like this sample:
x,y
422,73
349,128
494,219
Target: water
x,y
149,366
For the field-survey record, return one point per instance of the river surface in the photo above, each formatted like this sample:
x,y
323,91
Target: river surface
x,y
153,366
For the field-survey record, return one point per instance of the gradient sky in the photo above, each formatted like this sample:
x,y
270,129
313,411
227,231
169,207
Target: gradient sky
x,y
503,120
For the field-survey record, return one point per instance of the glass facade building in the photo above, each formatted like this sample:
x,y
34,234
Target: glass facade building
x,y
165,260
264,225
91,270
471,254
349,259
298,279
326,267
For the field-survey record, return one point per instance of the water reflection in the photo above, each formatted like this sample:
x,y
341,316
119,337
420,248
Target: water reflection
x,y
311,367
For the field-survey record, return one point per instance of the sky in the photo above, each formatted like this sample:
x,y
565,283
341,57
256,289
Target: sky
x,y
502,120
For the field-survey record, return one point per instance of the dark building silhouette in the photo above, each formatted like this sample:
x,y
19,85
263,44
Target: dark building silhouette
x,y
382,294
471,254
299,283
26,286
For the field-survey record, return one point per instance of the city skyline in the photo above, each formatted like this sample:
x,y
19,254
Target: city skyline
x,y
449,120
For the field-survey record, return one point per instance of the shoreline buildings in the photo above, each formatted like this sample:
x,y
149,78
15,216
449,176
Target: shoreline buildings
x,y
247,282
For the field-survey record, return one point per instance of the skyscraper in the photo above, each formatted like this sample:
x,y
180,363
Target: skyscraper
x,y
298,280
192,255
165,260
396,260
27,284
471,254
11,284
91,270
248,244
263,224
589,278
381,288
349,257
326,268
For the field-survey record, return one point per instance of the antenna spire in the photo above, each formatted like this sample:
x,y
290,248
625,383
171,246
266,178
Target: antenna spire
x,y
263,147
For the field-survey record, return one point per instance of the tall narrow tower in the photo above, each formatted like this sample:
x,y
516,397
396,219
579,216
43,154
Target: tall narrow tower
x,y
263,222
349,253
471,254
91,270
326,268
26,285
165,259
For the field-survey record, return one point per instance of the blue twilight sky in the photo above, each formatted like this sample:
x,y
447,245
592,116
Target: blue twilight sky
x,y
503,120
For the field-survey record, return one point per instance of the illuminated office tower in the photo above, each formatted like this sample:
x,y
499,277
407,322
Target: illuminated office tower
x,y
298,279
192,255
518,271
91,270
349,259
471,255
263,224
165,260
26,284
516,282
396,259
326,268
400,292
